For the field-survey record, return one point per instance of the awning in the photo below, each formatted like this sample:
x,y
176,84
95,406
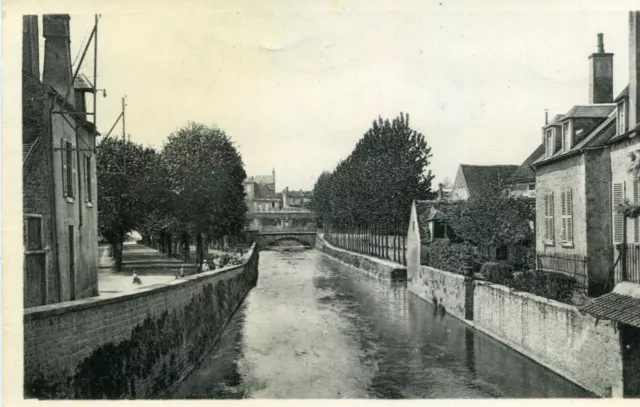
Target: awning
x,y
621,305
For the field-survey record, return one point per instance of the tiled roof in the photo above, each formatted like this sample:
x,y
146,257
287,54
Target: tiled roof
x,y
262,191
479,177
298,194
623,94
616,306
590,111
524,173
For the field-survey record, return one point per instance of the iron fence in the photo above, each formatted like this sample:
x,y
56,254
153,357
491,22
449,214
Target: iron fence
x,y
386,242
571,265
627,268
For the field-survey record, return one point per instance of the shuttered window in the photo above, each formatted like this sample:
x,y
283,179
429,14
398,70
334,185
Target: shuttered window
x,y
567,216
548,217
87,177
68,170
618,218
33,232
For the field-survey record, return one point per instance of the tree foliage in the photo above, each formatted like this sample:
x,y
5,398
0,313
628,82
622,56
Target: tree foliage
x,y
377,182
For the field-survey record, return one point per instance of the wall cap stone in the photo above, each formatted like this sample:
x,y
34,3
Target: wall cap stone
x,y
528,296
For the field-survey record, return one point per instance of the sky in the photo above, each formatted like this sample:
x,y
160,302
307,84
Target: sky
x,y
295,87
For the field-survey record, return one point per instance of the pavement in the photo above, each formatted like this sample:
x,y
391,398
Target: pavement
x,y
151,266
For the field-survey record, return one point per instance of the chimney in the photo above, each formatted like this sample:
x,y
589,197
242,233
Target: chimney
x,y
600,75
57,55
30,47
440,191
546,117
634,68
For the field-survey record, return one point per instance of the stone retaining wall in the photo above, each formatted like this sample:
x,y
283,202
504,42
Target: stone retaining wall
x,y
135,345
371,266
556,335
441,288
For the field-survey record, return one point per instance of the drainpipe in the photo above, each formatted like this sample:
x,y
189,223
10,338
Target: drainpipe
x,y
54,199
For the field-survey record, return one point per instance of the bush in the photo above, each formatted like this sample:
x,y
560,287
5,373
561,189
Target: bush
x,y
555,286
452,257
499,273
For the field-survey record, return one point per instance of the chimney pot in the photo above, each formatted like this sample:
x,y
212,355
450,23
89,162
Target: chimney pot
x,y
546,117
600,43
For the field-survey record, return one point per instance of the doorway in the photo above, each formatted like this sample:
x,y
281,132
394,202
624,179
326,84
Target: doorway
x,y
630,342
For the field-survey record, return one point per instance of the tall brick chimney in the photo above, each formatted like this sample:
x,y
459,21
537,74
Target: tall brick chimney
x,y
30,47
57,71
634,68
600,75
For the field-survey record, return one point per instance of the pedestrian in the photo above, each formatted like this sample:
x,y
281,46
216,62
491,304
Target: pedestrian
x,y
205,265
136,279
180,273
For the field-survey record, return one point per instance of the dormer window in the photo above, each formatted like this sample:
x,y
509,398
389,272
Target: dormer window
x,y
622,117
549,144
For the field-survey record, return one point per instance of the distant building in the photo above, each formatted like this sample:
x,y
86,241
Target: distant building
x,y
472,180
295,199
58,171
261,193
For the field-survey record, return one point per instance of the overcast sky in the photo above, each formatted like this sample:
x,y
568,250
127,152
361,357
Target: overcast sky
x,y
296,87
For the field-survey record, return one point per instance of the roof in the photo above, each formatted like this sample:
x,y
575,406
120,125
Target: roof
x,y
590,111
555,121
623,94
82,82
479,177
265,191
622,305
598,137
524,173
298,194
261,179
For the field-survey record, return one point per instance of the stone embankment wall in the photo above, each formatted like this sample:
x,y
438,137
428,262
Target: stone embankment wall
x,y
371,266
442,288
556,335
136,345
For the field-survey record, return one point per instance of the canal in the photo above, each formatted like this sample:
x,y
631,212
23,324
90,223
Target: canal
x,y
313,328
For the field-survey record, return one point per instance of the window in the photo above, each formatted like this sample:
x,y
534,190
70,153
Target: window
x,y
622,125
68,169
273,204
33,233
532,187
549,142
501,253
548,218
618,218
87,177
438,230
567,216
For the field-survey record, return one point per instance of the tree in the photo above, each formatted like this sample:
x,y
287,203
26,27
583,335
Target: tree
x,y
492,219
122,191
206,172
321,197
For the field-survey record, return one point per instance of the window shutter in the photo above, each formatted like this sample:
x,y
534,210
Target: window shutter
x,y
74,175
569,200
563,217
63,153
552,215
618,218
636,221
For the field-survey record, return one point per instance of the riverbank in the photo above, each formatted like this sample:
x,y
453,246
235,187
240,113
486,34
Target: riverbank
x,y
555,335
133,344
377,268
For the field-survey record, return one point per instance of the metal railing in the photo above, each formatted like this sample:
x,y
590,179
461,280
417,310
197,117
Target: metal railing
x,y
387,243
628,266
571,265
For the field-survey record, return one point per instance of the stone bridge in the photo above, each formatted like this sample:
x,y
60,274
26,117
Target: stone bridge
x,y
265,238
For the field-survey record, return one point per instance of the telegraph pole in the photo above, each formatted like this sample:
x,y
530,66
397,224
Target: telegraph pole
x,y
95,75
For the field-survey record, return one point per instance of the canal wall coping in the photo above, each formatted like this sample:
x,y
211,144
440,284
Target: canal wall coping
x,y
378,268
134,345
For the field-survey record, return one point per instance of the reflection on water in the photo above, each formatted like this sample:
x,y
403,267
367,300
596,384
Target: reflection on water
x,y
313,328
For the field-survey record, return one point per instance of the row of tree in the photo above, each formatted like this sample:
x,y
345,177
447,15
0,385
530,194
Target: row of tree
x,y
191,190
375,185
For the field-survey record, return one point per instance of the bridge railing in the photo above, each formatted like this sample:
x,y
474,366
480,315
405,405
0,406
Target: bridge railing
x,y
275,229
386,243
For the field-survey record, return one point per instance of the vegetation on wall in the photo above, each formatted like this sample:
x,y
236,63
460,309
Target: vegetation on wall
x,y
453,257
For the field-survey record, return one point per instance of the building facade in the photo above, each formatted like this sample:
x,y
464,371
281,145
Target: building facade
x,y
59,175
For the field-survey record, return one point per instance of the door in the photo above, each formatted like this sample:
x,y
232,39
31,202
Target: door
x,y
630,341
72,265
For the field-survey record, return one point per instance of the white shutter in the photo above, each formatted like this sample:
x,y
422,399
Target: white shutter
x,y
569,201
563,215
552,215
618,218
74,172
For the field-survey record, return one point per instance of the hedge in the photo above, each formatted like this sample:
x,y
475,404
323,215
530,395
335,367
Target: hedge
x,y
452,257
555,286
499,273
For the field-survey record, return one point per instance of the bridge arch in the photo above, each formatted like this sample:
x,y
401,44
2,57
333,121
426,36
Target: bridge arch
x,y
265,239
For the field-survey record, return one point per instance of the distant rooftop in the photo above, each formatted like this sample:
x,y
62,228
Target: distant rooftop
x,y
590,111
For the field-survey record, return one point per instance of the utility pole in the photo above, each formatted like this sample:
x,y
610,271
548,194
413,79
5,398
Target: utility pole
x,y
124,144
95,76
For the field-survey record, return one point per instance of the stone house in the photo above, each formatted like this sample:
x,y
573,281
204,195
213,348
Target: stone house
x,y
58,171
261,195
295,199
